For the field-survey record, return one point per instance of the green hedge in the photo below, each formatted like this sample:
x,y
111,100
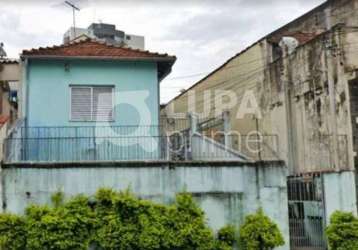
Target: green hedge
x,y
259,232
121,221
112,220
342,233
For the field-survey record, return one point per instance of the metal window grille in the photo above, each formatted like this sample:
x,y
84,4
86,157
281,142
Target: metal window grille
x,y
92,103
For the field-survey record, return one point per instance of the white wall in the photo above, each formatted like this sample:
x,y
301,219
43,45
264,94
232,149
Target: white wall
x,y
226,191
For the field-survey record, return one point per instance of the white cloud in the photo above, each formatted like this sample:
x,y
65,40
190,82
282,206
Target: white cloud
x,y
202,34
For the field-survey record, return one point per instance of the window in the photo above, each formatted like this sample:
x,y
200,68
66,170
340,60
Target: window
x,y
91,103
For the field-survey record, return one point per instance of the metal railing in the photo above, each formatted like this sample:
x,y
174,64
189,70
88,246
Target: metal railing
x,y
126,143
77,149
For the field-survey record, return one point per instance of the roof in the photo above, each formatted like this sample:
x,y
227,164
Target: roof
x,y
93,49
8,61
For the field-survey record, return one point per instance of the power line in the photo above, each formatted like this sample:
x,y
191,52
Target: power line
x,y
238,81
257,59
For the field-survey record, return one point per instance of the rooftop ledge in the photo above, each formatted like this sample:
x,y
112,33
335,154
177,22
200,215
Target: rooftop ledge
x,y
142,164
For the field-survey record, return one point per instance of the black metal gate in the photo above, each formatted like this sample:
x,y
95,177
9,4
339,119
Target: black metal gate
x,y
306,212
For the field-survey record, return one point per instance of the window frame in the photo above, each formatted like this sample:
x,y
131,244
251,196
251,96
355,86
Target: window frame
x,y
91,87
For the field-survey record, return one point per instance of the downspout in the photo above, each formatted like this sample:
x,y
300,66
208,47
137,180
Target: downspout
x,y
26,89
332,104
331,88
288,45
1,190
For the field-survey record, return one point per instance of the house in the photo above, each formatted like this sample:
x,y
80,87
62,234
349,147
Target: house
x,y
302,79
91,119
90,91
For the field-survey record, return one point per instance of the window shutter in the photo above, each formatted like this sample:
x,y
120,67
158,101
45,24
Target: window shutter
x,y
103,103
81,104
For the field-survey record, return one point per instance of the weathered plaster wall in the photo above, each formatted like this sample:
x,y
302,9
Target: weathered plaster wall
x,y
301,93
302,118
239,74
339,193
226,191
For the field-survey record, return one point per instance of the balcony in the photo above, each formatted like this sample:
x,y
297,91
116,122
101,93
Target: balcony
x,y
117,143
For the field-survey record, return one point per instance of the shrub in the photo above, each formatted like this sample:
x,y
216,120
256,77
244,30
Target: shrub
x,y
66,226
260,233
342,233
226,237
111,220
12,232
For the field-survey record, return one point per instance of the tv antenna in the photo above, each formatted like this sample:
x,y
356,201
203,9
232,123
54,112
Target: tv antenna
x,y
74,8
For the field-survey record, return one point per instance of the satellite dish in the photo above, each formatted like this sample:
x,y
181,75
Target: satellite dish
x,y
2,51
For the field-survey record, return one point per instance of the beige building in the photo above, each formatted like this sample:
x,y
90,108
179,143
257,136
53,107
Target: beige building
x,y
293,92
304,80
9,89
10,76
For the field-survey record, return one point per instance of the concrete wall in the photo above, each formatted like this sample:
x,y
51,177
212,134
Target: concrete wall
x,y
227,191
339,193
48,86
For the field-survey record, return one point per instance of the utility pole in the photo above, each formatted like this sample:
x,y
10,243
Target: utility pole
x,y
74,8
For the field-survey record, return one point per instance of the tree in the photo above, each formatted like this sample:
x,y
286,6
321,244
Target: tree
x,y
259,232
342,233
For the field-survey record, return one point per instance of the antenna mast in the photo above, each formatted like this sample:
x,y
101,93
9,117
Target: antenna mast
x,y
74,8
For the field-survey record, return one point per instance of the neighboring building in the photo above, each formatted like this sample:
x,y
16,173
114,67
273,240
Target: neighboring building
x,y
304,79
9,89
10,75
107,33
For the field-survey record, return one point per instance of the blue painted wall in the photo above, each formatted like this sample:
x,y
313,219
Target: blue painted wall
x,y
136,103
49,92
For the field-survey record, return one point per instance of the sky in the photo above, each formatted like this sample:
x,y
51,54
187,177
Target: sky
x,y
203,34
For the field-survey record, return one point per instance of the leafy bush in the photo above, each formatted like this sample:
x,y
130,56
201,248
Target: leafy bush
x,y
259,232
342,233
226,237
12,232
112,220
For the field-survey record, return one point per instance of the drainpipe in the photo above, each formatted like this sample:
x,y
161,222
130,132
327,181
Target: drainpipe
x,y
1,190
288,106
193,118
332,102
193,123
331,87
288,45
227,129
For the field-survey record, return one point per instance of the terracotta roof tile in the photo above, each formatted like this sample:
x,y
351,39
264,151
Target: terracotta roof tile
x,y
89,48
93,48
